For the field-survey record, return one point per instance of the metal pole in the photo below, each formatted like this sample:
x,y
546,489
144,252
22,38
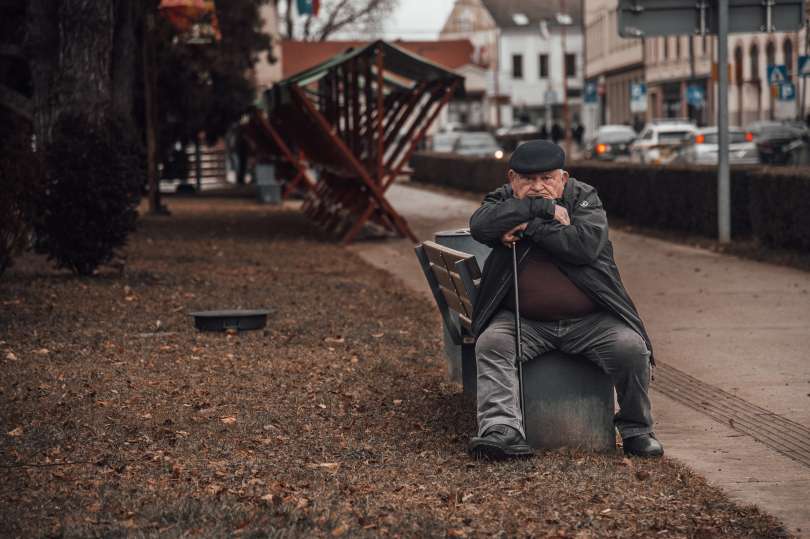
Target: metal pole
x,y
566,112
804,79
723,180
518,339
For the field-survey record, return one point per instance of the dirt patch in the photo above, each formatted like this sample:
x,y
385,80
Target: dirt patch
x,y
119,418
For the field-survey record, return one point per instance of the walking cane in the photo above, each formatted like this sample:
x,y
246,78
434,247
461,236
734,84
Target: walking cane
x,y
518,339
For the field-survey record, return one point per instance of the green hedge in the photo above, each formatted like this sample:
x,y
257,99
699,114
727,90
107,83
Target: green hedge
x,y
780,207
770,204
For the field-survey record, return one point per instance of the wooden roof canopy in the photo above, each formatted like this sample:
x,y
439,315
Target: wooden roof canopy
x,y
357,118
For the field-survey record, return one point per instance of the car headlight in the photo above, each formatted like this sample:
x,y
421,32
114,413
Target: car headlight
x,y
498,154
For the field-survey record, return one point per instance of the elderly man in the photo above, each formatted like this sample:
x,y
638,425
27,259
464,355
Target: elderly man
x,y
571,299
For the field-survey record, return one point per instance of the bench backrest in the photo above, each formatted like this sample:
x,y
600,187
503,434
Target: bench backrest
x,y
454,277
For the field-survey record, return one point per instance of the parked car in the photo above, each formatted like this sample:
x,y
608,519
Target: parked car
x,y
780,143
478,144
702,147
659,141
443,142
520,128
611,142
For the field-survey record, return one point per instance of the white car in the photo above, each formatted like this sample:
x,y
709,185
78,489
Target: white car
x,y
702,147
658,142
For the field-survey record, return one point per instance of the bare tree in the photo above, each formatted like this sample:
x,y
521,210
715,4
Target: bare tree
x,y
358,17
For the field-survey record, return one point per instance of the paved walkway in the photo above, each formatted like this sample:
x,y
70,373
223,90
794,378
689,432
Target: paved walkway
x,y
732,398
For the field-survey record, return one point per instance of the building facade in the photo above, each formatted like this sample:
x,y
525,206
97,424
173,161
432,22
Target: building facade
x,y
681,75
532,52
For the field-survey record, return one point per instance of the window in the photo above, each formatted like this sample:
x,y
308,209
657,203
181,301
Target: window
x,y
570,65
678,47
666,47
753,53
738,65
517,66
542,65
787,52
770,53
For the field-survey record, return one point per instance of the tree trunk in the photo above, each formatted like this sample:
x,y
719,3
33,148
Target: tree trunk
x,y
70,47
125,56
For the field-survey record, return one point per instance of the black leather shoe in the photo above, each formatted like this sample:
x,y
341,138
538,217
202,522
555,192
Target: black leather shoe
x,y
644,445
500,442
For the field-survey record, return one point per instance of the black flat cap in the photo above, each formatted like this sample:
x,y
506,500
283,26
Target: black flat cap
x,y
537,156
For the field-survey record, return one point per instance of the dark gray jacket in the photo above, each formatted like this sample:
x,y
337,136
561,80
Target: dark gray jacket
x,y
581,250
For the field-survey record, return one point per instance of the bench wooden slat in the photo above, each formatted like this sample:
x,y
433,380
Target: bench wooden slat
x,y
433,253
453,301
443,276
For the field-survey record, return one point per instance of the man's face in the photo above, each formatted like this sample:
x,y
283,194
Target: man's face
x,y
548,184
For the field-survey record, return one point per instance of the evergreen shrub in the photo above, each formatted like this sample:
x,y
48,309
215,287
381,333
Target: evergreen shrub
x,y
672,197
94,174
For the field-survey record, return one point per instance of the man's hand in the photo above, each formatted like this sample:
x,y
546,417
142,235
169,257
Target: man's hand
x,y
561,215
510,237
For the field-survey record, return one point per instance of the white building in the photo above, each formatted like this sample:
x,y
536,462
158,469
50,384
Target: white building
x,y
533,53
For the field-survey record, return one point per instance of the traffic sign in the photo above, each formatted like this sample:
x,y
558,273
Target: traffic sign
x,y
787,92
638,97
639,18
777,74
804,66
695,96
591,92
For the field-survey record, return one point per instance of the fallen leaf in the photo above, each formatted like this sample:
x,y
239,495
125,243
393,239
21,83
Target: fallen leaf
x,y
322,405
626,462
641,475
16,432
377,335
328,466
456,532
42,352
11,357
340,530
337,339
146,416
397,402
228,420
213,489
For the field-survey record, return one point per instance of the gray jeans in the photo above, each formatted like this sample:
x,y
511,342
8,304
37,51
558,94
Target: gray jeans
x,y
600,337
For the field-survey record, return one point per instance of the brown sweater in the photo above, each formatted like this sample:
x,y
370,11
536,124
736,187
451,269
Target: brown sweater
x,y
546,294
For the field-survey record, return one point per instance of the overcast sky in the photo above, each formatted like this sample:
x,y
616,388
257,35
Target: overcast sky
x,y
418,19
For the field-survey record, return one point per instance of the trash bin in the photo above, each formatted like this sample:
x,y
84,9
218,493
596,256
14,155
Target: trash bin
x,y
460,240
269,189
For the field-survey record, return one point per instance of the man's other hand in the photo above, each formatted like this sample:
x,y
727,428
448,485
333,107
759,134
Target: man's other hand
x,y
561,215
510,236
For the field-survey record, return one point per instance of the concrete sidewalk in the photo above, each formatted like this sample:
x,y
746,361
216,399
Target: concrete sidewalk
x,y
732,398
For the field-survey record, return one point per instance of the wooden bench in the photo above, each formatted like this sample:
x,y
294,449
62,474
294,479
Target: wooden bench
x,y
568,399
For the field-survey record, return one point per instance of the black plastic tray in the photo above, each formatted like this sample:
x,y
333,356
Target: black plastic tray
x,y
239,320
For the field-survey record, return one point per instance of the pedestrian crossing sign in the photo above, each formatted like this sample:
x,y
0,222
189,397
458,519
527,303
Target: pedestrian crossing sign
x,y
777,74
804,66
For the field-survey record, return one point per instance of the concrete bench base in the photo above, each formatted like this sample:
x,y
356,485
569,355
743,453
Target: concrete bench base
x,y
569,401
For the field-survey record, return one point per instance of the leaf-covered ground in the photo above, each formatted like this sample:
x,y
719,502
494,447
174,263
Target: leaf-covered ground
x,y
118,418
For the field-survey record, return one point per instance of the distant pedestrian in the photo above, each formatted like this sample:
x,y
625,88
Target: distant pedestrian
x,y
556,133
543,132
578,132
